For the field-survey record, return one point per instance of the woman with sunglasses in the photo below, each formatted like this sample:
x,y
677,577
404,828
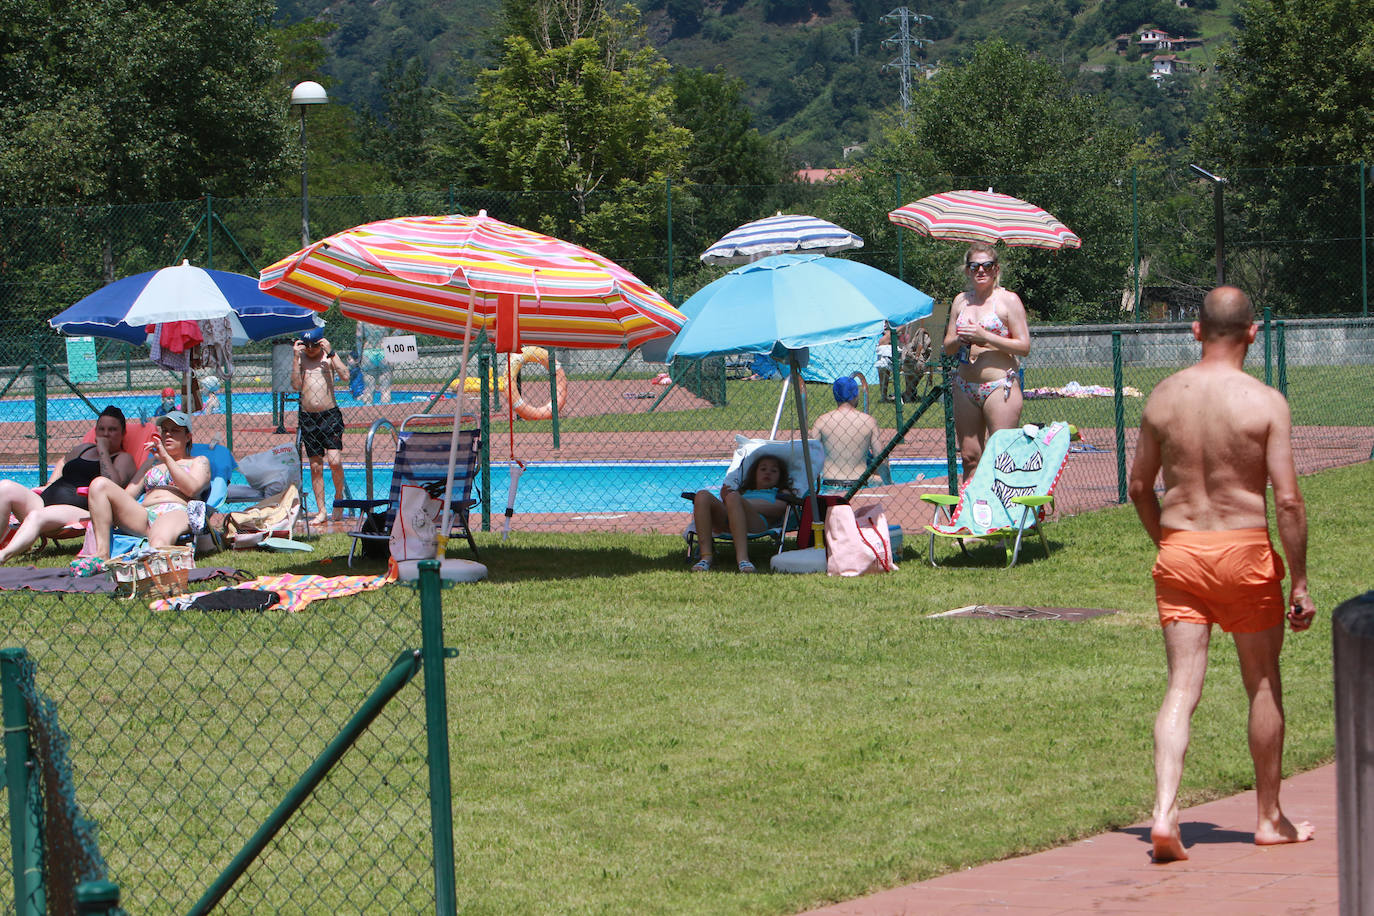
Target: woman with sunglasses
x,y
987,333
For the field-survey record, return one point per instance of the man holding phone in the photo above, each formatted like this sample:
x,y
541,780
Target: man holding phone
x,y
1221,437
314,370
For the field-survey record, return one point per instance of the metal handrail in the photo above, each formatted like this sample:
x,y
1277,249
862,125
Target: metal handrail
x,y
377,424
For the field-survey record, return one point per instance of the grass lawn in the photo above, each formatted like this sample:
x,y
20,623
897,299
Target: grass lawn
x,y
630,738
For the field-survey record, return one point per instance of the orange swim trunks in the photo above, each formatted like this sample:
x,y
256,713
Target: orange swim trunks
x,y
1230,578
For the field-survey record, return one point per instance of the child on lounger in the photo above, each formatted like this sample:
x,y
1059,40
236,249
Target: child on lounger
x,y
758,505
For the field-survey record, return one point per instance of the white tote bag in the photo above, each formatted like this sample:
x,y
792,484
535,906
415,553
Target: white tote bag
x,y
416,529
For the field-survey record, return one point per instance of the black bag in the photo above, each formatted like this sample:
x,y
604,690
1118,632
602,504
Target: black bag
x,y
375,548
236,599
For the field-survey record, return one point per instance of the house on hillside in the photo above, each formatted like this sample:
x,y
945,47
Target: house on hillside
x,y
1162,65
1158,41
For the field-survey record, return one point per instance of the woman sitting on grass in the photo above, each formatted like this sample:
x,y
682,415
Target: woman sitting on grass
x,y
758,505
59,505
168,481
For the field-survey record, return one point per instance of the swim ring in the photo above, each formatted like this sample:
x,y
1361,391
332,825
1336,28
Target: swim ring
x,y
523,409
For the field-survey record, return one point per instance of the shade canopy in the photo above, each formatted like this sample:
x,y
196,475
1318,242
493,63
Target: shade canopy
x,y
454,275
794,301
780,234
122,310
985,216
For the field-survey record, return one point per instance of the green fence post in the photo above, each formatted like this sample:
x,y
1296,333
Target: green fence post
x,y
436,731
553,392
128,370
1268,347
1281,345
1364,249
25,850
40,414
951,457
1135,235
97,898
209,232
228,414
1119,408
900,234
484,460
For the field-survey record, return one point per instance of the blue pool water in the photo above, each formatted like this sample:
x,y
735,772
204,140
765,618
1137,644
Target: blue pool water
x,y
146,405
583,488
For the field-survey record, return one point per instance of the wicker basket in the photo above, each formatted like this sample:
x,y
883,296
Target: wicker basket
x,y
161,573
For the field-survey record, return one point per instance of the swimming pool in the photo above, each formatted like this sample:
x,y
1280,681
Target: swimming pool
x,y
146,405
583,488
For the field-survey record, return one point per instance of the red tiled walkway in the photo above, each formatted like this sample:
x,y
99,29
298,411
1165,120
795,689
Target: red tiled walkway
x,y
1112,873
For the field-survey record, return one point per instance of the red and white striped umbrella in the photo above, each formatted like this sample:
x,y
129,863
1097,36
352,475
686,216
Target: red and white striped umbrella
x,y
985,216
451,275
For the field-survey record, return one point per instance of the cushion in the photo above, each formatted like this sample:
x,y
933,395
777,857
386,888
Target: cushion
x,y
790,451
810,560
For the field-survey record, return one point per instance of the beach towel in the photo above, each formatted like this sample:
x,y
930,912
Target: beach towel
x,y
294,591
60,578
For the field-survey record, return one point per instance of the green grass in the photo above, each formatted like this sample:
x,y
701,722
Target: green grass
x,y
630,738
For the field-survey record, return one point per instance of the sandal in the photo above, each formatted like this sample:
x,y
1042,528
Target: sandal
x,y
702,565
746,567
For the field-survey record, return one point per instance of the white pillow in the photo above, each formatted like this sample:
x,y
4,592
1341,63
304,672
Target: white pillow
x,y
790,451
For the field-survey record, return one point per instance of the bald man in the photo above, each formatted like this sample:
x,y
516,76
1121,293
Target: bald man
x,y
1221,437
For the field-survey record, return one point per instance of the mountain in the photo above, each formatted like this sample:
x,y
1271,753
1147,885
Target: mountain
x,y
818,72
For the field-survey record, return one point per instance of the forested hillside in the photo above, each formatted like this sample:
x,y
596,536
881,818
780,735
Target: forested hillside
x,y
818,73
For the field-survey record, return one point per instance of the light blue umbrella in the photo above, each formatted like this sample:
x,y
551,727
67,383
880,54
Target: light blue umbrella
x,y
783,304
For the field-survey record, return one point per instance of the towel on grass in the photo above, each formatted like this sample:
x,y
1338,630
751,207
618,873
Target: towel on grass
x,y
294,591
60,579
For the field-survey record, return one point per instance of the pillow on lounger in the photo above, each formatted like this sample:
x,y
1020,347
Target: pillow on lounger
x,y
790,451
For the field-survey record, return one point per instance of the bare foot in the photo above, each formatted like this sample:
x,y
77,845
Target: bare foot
x,y
1285,831
337,515
319,519
1166,842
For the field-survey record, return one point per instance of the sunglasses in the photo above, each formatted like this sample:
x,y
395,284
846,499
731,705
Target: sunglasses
x,y
975,266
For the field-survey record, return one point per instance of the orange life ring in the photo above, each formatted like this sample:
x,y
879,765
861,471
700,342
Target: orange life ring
x,y
523,409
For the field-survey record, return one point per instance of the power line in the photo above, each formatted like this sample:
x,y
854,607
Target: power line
x,y
904,41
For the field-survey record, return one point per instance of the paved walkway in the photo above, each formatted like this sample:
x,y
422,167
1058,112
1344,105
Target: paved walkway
x,y
1112,873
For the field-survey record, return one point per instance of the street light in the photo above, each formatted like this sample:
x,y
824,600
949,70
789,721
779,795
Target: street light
x,y
1218,183
304,95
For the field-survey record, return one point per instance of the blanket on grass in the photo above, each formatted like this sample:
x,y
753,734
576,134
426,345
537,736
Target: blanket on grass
x,y
294,591
60,579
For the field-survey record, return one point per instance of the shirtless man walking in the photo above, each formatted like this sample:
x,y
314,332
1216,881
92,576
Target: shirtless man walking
x,y
313,370
1220,437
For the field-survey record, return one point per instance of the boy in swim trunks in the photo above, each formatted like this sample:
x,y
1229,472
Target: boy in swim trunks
x,y
313,371
1221,438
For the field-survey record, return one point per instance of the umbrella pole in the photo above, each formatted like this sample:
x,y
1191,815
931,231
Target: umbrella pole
x,y
817,527
777,415
441,541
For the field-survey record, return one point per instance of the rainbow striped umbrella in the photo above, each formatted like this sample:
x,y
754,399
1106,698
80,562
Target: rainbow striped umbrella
x,y
451,275
985,216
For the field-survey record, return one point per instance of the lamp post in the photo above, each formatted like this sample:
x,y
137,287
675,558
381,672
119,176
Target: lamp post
x,y
1218,185
303,96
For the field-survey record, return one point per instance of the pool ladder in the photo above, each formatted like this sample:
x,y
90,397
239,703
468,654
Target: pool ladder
x,y
372,431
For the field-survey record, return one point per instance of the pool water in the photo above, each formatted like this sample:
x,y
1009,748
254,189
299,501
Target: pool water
x,y
146,405
584,488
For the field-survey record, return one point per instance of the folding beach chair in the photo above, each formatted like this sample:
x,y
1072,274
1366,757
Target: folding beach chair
x,y
746,451
1011,491
422,458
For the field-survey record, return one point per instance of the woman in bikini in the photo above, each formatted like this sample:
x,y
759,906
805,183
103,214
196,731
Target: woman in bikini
x,y
759,503
168,481
60,503
987,333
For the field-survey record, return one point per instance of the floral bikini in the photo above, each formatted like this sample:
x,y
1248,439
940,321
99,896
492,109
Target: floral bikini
x,y
979,392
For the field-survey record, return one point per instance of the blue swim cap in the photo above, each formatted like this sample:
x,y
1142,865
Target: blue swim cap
x,y
846,389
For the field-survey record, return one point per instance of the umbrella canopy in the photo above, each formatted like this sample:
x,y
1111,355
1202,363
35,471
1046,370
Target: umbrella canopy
x,y
985,216
780,234
123,309
449,275
787,302
796,300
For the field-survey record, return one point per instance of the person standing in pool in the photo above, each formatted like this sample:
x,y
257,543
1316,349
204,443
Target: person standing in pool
x,y
314,369
372,360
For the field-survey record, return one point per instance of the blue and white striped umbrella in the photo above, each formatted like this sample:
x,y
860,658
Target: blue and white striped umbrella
x,y
781,234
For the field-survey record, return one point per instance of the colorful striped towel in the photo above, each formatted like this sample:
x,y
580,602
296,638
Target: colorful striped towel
x,y
295,591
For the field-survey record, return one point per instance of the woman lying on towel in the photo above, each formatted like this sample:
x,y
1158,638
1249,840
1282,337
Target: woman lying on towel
x,y
60,504
168,482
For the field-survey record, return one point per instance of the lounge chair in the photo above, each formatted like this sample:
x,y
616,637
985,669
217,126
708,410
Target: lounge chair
x,y
746,450
422,457
1011,491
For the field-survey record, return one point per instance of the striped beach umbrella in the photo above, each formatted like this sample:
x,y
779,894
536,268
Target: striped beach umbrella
x,y
781,234
453,275
985,216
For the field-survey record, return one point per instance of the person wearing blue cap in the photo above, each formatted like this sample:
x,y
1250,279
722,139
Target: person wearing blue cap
x,y
848,434
313,373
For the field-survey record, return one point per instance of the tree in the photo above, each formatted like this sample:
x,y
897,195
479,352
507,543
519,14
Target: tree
x,y
1293,104
588,122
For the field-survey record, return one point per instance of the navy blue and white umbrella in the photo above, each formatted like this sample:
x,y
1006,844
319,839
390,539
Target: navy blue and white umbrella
x,y
122,310
781,234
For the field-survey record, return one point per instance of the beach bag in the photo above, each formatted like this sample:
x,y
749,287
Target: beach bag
x,y
416,528
273,513
271,471
857,540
